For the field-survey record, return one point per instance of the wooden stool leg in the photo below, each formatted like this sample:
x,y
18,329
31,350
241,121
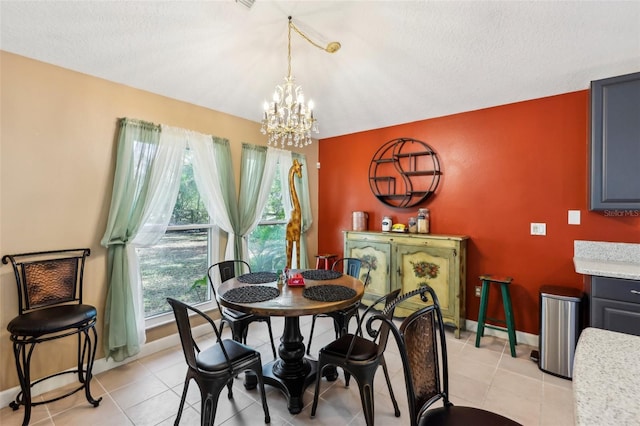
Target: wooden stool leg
x,y
323,261
482,316
508,313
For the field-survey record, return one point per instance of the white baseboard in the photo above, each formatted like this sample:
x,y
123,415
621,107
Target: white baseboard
x,y
521,337
102,365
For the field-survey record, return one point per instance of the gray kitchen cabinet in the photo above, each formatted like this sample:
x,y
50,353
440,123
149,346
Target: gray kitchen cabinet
x,y
615,304
407,261
615,144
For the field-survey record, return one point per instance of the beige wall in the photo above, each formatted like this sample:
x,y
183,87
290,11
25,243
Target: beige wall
x,y
57,159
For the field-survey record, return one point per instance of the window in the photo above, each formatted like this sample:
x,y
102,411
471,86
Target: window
x,y
182,256
267,242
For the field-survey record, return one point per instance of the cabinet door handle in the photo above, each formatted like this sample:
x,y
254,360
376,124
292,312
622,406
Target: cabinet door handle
x,y
635,292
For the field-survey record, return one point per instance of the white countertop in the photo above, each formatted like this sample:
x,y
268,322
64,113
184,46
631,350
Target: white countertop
x,y
630,271
605,259
606,378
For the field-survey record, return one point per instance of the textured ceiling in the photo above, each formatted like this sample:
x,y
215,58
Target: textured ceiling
x,y
400,61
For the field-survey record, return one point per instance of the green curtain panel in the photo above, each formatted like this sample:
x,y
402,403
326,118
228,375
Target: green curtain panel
x,y
137,148
253,163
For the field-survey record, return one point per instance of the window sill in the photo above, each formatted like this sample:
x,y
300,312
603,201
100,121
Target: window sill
x,y
208,308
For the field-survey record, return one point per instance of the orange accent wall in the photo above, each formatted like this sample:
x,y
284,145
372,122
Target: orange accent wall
x,y
503,168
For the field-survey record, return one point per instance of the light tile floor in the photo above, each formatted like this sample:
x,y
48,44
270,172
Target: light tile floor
x,y
147,391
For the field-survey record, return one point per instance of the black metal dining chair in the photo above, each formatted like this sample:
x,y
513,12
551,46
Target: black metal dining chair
x,y
423,350
237,321
215,367
361,357
357,268
50,307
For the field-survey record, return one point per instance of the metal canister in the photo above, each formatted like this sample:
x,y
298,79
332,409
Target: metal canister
x,y
360,220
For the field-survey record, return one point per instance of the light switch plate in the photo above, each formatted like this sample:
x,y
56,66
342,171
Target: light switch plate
x,y
574,217
538,229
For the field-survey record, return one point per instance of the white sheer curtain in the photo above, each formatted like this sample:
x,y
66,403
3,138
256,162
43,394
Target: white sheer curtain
x,y
207,177
164,185
274,157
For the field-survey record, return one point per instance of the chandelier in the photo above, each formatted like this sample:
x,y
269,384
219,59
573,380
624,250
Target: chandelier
x,y
287,120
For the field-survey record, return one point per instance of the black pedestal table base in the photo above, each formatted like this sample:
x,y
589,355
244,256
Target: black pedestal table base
x,y
292,372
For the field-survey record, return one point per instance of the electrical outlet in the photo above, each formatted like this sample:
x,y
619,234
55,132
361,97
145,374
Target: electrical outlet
x,y
478,289
538,229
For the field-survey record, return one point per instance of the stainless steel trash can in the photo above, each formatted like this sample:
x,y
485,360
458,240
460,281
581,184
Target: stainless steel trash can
x,y
560,326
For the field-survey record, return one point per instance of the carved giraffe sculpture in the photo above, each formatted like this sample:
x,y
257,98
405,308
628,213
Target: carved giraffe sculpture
x,y
294,225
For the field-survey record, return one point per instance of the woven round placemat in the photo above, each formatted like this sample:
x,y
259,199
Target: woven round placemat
x,y
251,294
258,277
328,293
320,274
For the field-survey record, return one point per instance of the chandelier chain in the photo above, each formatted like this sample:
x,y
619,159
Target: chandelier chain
x,y
304,36
288,120
289,49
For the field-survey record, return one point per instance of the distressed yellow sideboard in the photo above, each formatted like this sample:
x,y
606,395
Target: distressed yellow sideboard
x,y
405,261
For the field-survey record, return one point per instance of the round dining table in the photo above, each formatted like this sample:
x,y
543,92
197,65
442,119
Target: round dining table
x,y
260,293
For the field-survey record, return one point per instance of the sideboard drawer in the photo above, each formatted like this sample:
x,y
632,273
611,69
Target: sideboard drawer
x,y
615,289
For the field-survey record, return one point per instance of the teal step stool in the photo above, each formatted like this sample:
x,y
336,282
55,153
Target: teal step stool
x,y
509,322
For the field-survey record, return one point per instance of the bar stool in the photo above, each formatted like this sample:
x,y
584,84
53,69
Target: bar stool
x,y
50,307
504,282
324,261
